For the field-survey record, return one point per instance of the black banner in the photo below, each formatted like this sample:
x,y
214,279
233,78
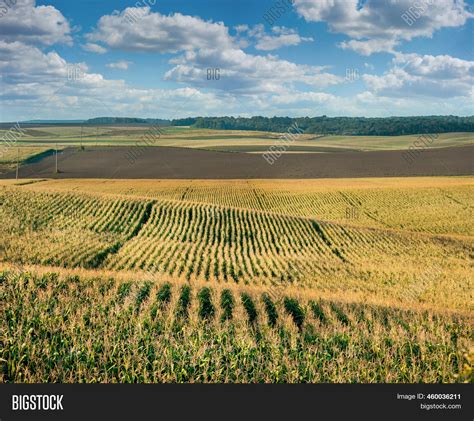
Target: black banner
x,y
291,402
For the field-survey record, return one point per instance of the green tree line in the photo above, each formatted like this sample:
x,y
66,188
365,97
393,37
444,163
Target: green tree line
x,y
387,126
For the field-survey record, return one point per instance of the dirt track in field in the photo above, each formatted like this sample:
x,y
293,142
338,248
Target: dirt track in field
x,y
183,163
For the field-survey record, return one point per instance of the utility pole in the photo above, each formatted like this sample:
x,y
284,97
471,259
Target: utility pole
x,y
17,161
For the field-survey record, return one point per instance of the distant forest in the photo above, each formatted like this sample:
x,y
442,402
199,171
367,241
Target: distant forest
x,y
388,126
127,120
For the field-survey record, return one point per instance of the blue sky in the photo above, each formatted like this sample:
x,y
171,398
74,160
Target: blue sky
x,y
151,58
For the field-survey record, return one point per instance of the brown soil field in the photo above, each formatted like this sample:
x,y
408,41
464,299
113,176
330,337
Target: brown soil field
x,y
184,163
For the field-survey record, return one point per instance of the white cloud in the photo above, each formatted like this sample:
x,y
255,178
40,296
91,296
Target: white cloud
x,y
280,36
119,65
241,28
37,83
94,48
28,23
366,48
208,45
22,64
377,26
246,73
28,72
424,75
169,34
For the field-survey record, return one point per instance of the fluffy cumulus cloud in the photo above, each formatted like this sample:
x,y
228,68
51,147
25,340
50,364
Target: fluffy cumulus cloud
x,y
246,73
130,30
424,75
202,45
376,26
36,82
40,84
29,73
26,22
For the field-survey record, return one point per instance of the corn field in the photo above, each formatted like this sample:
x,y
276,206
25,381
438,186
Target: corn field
x,y
180,281
191,240
64,328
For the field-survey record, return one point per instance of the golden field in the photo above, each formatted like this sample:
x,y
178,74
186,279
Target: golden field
x,y
324,280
